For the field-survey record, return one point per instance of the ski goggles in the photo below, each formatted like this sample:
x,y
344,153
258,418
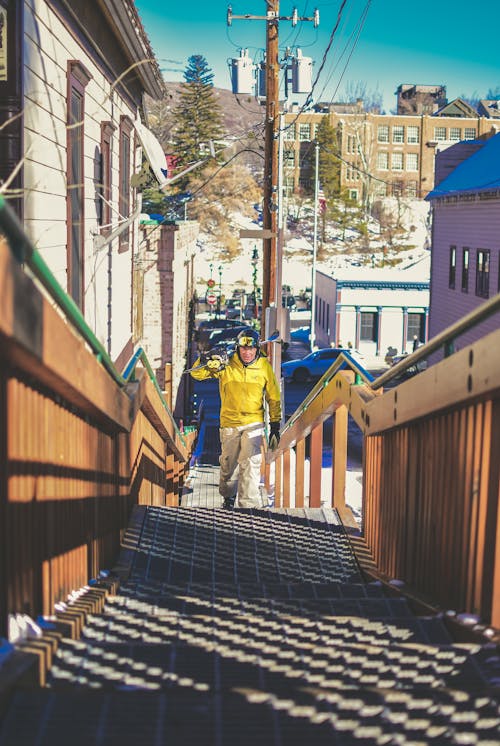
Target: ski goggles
x,y
247,342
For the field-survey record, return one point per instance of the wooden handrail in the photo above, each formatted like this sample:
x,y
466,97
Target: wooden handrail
x,y
77,450
430,474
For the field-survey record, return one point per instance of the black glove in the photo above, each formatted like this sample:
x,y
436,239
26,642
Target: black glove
x,y
274,435
215,363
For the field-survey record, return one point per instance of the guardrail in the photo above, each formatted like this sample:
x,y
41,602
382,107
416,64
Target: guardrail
x,y
431,516
79,443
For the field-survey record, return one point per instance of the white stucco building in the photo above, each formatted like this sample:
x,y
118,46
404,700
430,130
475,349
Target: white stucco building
x,y
372,309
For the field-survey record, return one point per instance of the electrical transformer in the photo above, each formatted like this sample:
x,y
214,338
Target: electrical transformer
x,y
242,73
301,73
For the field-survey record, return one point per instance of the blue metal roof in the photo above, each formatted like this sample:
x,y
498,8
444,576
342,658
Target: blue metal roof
x,y
478,173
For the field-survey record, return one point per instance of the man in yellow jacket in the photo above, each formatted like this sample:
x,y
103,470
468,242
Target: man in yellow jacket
x,y
244,382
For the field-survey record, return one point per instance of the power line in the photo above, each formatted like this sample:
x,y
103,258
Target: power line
x,y
322,64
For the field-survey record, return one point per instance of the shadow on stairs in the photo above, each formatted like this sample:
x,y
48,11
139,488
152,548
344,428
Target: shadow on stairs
x,y
255,627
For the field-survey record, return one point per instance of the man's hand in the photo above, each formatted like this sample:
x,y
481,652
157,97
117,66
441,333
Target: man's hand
x,y
274,435
215,363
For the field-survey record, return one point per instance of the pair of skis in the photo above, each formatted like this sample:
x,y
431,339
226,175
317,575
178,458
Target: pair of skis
x,y
275,337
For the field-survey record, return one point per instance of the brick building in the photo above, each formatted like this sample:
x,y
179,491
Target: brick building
x,y
381,154
164,287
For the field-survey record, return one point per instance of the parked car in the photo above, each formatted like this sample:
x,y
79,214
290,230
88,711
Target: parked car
x,y
234,313
301,334
218,336
312,366
288,301
206,327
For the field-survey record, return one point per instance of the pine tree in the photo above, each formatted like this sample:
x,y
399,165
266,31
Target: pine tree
x,y
198,116
329,162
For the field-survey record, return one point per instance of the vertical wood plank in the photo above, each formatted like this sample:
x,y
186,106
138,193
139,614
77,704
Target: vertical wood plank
x,y
300,455
339,456
316,446
286,479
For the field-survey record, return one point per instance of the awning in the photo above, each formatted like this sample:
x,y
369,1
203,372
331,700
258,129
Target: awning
x,y
153,151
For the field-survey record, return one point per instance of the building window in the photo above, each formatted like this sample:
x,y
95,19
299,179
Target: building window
x,y
398,133
304,132
452,267
412,135
381,189
369,326
289,184
289,158
397,161
397,188
465,270
124,179
382,161
290,132
104,206
314,130
483,273
412,161
470,133
351,144
306,184
440,133
353,195
411,189
416,327
383,133
78,77
455,133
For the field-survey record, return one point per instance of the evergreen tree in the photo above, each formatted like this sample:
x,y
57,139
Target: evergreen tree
x,y
329,162
198,116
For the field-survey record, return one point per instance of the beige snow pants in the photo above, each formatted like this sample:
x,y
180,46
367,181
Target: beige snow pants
x,y
240,464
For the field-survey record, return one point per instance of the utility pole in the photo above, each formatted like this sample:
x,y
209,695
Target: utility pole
x,y
270,191
271,197
312,336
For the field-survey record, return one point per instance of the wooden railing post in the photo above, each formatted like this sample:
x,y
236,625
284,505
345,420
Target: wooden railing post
x,y
339,459
300,455
170,497
278,482
316,444
286,479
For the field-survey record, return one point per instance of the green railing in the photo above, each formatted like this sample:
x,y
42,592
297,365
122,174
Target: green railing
x,y
25,253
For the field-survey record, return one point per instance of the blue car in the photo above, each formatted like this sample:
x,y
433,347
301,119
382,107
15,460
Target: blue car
x,y
301,334
312,366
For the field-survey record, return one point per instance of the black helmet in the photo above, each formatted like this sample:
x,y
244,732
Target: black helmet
x,y
248,338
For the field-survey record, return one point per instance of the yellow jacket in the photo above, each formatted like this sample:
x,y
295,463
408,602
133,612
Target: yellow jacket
x,y
242,390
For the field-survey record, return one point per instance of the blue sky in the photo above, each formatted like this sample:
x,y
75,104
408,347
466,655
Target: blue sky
x,y
428,42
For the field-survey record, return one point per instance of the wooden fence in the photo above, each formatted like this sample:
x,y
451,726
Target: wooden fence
x,y
77,450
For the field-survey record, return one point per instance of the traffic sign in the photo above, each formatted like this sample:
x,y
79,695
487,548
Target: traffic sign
x,y
211,299
210,283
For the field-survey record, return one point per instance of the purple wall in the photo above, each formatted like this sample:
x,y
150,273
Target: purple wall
x,y
474,224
